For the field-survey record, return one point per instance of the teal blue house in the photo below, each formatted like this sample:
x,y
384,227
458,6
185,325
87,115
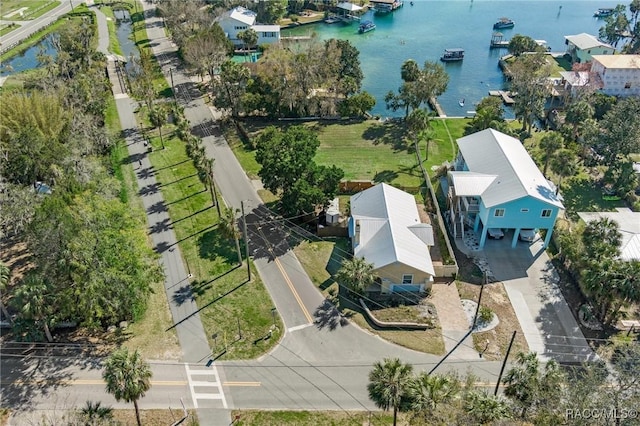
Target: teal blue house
x,y
496,185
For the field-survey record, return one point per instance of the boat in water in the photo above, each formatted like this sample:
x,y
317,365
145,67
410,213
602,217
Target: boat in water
x,y
603,12
503,23
366,26
461,102
451,55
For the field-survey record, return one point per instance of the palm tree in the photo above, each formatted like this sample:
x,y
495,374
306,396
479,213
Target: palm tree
x,y
356,274
564,165
485,408
5,276
128,377
388,385
550,143
601,239
427,391
229,228
158,118
249,38
33,300
578,113
93,413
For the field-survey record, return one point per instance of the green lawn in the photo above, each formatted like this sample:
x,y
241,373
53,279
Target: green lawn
x,y
367,150
314,418
30,9
221,288
7,28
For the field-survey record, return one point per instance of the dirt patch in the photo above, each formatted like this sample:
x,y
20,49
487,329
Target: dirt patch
x,y
495,298
155,417
14,254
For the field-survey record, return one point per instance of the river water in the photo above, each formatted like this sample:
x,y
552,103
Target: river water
x,y
424,30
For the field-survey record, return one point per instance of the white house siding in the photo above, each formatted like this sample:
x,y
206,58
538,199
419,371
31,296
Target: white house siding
x,y
620,76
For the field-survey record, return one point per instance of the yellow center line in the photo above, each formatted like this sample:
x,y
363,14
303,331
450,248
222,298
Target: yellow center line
x,y
287,279
77,382
251,384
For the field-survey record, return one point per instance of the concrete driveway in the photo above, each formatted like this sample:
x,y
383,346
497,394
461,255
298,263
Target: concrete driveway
x,y
531,283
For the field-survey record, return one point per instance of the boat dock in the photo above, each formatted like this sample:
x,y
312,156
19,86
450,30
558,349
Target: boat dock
x,y
506,96
497,41
433,103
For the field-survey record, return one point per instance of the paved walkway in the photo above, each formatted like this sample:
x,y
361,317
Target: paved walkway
x,y
453,320
193,341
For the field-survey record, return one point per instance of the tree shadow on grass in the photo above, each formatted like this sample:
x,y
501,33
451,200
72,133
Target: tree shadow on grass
x,y
386,176
212,246
392,134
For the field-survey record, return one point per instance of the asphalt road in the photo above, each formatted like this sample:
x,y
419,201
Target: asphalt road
x,y
27,28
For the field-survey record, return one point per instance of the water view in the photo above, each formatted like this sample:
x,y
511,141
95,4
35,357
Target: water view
x,y
29,58
424,30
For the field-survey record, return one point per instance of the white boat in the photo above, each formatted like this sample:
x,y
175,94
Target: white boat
x,y
603,12
461,102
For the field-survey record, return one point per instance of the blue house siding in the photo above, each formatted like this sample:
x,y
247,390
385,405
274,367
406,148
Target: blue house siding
x,y
523,213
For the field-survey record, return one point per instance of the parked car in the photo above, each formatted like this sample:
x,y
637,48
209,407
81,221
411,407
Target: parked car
x,y
495,233
527,235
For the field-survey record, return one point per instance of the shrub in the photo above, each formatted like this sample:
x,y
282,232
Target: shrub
x,y
486,314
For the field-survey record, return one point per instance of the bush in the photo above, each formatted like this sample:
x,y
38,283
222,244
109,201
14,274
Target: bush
x,y
486,314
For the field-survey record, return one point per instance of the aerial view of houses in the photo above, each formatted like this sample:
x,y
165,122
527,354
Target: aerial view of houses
x,y
266,212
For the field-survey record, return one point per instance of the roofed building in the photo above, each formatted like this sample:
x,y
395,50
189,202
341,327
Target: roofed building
x,y
240,19
620,74
628,223
386,231
583,46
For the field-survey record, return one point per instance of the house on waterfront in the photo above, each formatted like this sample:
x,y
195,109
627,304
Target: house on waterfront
x,y
582,47
620,74
385,6
496,185
385,229
576,81
628,223
241,19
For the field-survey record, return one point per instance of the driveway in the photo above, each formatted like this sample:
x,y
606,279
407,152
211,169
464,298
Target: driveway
x,y
531,283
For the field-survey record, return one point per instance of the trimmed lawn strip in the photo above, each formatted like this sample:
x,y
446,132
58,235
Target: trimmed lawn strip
x,y
315,418
365,150
322,259
149,335
212,260
495,298
156,417
7,28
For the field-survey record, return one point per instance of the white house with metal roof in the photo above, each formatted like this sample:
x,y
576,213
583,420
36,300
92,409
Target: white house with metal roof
x,y
386,231
241,19
583,46
620,74
496,184
628,223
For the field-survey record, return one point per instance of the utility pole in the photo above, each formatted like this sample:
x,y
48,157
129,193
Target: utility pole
x,y
246,240
504,363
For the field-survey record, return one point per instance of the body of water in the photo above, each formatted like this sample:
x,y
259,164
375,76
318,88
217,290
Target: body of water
x,y
28,59
422,31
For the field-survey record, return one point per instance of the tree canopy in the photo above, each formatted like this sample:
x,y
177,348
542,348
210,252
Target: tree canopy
x,y
288,169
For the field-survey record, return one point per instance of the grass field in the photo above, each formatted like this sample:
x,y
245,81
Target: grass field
x,y
314,418
220,287
367,150
29,9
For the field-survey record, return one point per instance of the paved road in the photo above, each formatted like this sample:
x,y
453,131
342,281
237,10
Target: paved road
x,y
29,27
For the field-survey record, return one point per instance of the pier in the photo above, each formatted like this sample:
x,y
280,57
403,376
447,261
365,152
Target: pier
x,y
433,103
497,41
506,96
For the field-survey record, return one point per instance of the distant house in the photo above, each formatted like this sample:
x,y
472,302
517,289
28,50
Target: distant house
x,y
496,184
583,46
629,226
620,74
386,231
575,81
240,19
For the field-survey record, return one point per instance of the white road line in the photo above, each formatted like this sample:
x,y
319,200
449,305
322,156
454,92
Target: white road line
x,y
210,371
299,327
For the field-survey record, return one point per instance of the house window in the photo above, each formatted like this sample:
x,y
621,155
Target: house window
x,y
546,213
407,279
524,210
498,213
627,85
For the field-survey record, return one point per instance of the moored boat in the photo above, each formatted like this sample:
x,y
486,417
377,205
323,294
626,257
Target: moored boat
x,y
451,55
503,23
603,12
366,26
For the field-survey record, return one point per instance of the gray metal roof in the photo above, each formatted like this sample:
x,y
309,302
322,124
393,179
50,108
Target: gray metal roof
x,y
390,228
629,226
586,41
490,152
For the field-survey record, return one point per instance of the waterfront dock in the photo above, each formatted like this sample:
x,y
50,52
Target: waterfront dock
x,y
433,103
506,96
498,41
